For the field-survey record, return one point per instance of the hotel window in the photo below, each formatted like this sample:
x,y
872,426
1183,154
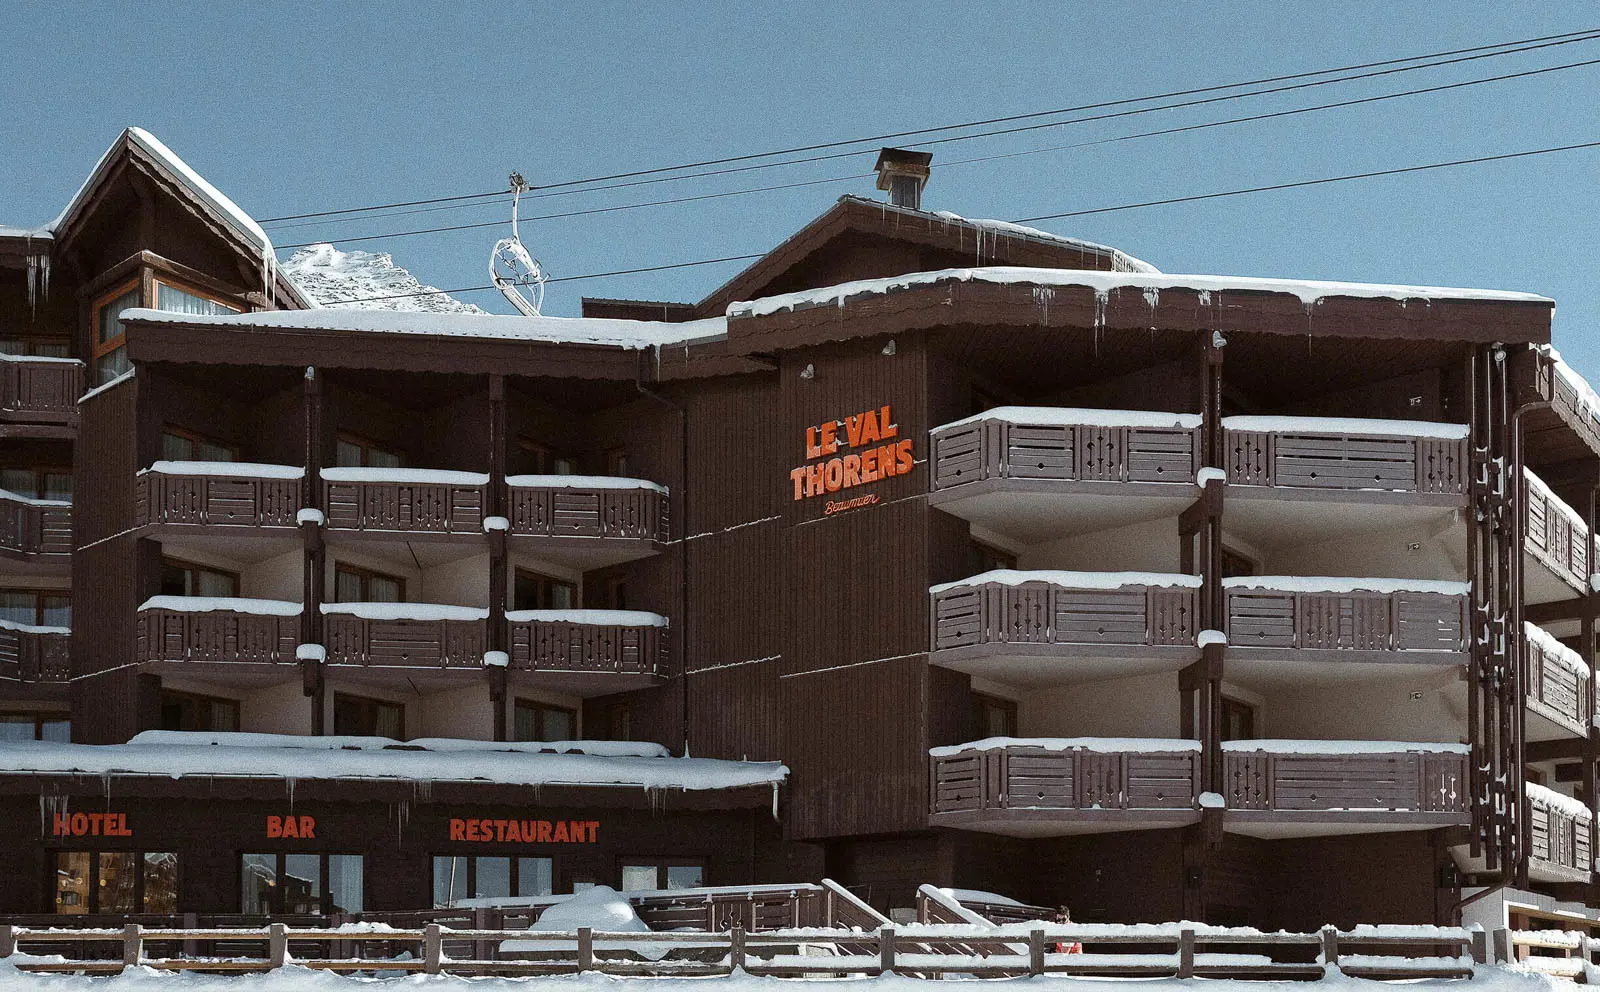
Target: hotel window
x,y
362,716
458,878
352,584
38,483
608,594
182,578
35,726
354,452
181,445
1238,720
115,882
110,351
987,558
617,463
535,721
533,591
1236,564
36,607
540,459
187,711
176,299
35,347
643,874
993,716
304,884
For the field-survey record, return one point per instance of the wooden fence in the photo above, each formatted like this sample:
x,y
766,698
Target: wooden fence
x,y
218,500
1329,460
1352,622
999,449
1556,690
353,640
1560,847
33,655
1045,613
554,511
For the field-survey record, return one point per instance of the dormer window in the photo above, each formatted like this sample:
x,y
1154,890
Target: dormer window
x,y
110,351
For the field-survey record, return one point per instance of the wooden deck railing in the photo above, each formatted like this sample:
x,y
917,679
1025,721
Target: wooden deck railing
x,y
404,642
995,448
622,511
1043,612
1554,534
35,528
1023,776
1560,838
242,500
1261,617
539,645
219,636
40,390
1334,459
450,505
35,654
1283,780
1557,689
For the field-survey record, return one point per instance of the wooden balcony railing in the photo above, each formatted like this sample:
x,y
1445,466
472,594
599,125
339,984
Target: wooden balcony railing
x,y
586,506
622,642
218,493
1342,776
406,500
1331,453
1042,608
40,390
223,631
35,654
404,635
1366,616
1558,681
35,526
1560,847
1554,533
1068,445
1087,774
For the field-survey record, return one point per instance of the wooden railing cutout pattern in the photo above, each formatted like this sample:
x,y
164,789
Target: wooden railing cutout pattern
x,y
1358,621
32,529
998,449
215,500
1406,782
1025,777
554,511
1043,613
1315,460
217,636
418,507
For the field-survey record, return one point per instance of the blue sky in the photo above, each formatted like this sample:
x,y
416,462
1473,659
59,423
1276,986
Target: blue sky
x,y
299,107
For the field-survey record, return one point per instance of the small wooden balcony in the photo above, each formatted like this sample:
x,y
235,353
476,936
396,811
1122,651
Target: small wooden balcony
x,y
197,631
1289,788
1036,472
409,636
589,652
1051,628
1309,455
36,530
587,521
1044,787
1560,850
35,654
40,390
1560,700
1555,547
411,502
183,495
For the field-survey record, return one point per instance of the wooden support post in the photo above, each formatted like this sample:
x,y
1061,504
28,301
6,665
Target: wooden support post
x,y
1330,948
1186,952
432,948
1480,946
1502,945
736,947
480,921
1036,951
886,950
132,944
277,945
8,940
585,949
191,923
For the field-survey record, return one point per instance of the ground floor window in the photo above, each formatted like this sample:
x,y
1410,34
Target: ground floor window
x,y
116,882
458,878
645,873
35,725
272,883
361,716
534,721
188,711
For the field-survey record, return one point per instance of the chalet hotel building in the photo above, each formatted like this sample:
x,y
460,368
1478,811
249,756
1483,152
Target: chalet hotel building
x,y
922,550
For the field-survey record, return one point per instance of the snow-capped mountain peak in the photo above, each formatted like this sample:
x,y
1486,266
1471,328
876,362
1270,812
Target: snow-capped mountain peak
x,y
364,280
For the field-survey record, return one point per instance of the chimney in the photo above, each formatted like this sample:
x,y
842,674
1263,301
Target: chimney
x,y
903,173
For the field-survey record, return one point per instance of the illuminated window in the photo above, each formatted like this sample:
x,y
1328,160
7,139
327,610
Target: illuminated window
x,y
115,882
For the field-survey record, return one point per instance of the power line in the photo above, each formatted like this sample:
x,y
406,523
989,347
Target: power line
x,y
837,179
1564,38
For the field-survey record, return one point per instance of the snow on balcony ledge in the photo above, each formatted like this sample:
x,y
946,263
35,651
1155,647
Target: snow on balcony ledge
x,y
249,470
1281,746
1099,745
1574,808
7,494
1555,650
1342,584
406,611
1073,580
593,618
1538,485
1346,425
1061,416
580,482
436,476
28,628
39,359
223,604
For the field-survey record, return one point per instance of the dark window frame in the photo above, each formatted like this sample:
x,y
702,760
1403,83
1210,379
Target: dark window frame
x,y
98,349
365,576
1237,705
548,459
40,472
39,596
983,702
540,708
195,568
42,717
366,446
543,584
325,900
616,461
195,439
178,696
368,700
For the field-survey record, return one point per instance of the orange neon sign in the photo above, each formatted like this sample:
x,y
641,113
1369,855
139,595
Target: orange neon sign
x,y
869,459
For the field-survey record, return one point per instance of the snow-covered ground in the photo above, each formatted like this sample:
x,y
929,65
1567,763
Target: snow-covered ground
x,y
331,277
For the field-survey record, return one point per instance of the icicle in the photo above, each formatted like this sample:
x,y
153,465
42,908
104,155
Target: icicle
x,y
774,800
288,784
106,781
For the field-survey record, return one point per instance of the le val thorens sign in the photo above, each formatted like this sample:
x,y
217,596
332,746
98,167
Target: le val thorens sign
x,y
873,454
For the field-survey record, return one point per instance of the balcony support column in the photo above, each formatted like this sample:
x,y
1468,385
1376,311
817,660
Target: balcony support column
x,y
499,564
313,589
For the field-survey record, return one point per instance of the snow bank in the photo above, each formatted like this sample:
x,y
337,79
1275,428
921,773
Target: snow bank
x,y
601,909
406,611
1060,416
1343,584
39,359
1099,745
977,895
580,482
1343,747
1346,425
1554,649
250,470
1074,580
214,604
1574,808
433,476
329,277
597,618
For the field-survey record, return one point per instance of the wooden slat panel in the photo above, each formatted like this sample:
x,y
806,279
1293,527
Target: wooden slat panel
x,y
1030,778
1037,613
220,636
570,512
404,506
44,390
546,646
1001,449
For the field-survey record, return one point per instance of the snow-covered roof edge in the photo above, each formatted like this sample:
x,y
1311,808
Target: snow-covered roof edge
x,y
1121,261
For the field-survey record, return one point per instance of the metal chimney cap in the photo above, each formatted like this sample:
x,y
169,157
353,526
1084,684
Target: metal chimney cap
x,y
902,162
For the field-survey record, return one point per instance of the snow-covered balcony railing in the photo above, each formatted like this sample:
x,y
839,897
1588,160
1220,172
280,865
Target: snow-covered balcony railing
x,y
619,642
1058,444
1560,848
586,506
1555,535
408,500
1354,780
1036,612
217,630
30,527
231,494
1011,780
40,390
404,635
1303,618
35,654
1558,681
1335,453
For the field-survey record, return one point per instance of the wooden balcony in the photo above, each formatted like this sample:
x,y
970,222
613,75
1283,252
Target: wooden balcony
x,y
222,632
1560,850
1341,457
1558,687
36,529
1556,539
40,390
1301,788
587,521
406,501
589,652
1041,788
1053,627
1331,619
35,654
217,494
404,635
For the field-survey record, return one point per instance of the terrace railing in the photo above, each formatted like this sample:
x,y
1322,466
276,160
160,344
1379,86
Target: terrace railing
x,y
404,635
35,526
1339,454
1558,681
1046,608
1560,831
1366,616
35,654
1555,535
222,631
586,506
1073,445
622,642
218,494
42,390
1023,774
1343,776
404,500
